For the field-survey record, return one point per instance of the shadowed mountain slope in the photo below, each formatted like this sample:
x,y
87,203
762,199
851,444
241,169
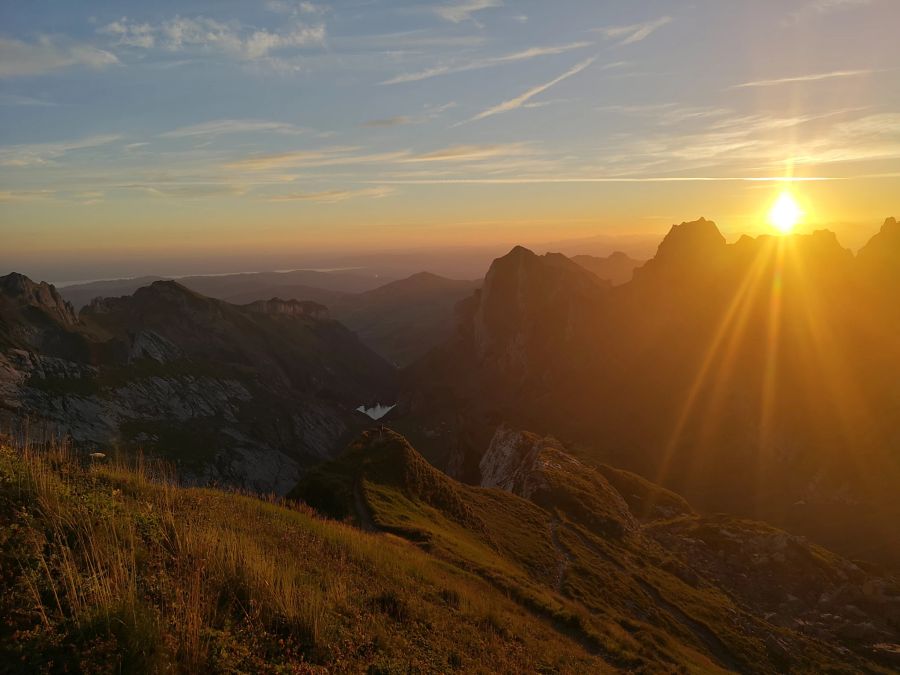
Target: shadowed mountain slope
x,y
400,320
757,377
246,395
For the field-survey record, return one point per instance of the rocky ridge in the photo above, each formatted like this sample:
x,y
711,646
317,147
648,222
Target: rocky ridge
x,y
229,394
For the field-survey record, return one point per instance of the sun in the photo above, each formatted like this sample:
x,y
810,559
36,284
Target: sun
x,y
785,213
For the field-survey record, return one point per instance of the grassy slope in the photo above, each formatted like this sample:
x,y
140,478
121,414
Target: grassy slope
x,y
105,569
624,598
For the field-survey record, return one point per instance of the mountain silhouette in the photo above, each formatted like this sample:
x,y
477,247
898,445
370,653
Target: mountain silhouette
x,y
757,377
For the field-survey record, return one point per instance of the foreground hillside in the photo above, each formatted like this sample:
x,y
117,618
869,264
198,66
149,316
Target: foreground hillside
x,y
105,569
621,565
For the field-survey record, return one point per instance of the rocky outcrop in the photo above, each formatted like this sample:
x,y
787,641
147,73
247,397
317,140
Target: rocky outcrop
x,y
42,296
540,470
790,581
150,345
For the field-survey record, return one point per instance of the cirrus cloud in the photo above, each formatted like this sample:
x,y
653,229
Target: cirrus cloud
x,y
21,59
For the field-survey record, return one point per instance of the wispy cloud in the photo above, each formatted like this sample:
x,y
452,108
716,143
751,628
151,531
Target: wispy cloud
x,y
203,33
667,113
463,10
399,120
627,35
294,7
759,144
335,196
520,100
487,62
349,156
90,197
429,112
866,138
222,127
820,7
44,153
24,195
186,190
21,59
332,156
469,153
418,39
130,34
815,77
536,180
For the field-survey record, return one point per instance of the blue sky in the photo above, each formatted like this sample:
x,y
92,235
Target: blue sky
x,y
136,125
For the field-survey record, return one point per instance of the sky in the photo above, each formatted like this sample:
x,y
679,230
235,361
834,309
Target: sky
x,y
138,136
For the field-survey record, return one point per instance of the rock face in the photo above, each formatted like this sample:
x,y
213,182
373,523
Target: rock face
x,y
229,394
751,377
150,345
43,296
528,308
540,470
795,584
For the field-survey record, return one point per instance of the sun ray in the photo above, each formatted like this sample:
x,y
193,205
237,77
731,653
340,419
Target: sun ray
x,y
728,332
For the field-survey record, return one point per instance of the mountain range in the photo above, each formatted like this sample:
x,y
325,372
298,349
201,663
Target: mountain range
x,y
683,465
757,377
240,394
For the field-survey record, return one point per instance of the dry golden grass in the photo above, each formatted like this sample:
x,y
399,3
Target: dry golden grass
x,y
109,566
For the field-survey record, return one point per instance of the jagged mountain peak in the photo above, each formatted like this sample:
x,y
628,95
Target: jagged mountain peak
x,y
39,295
520,252
526,264
689,249
700,235
884,247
